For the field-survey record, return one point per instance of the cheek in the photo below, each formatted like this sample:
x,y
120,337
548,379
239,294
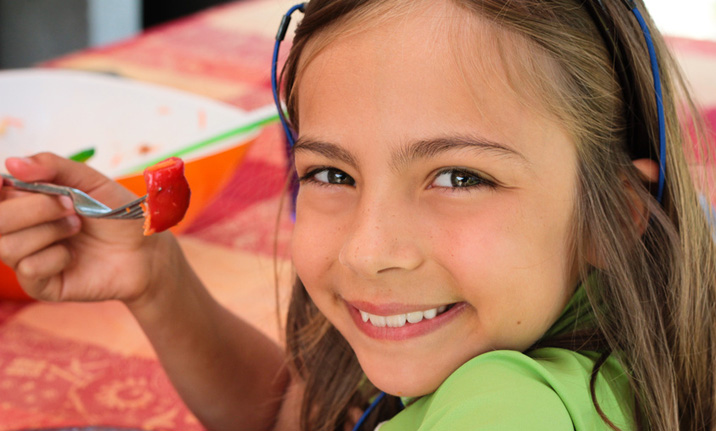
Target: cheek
x,y
480,252
305,250
315,241
491,236
505,255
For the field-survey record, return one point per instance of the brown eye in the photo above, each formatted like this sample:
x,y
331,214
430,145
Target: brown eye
x,y
455,178
333,176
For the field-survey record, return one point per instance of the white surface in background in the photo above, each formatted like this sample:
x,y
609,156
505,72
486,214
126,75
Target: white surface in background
x,y
694,19
128,123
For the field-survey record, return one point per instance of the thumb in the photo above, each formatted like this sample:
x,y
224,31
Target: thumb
x,y
49,167
52,168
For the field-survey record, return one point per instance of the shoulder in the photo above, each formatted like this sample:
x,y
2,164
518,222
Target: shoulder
x,y
508,390
499,390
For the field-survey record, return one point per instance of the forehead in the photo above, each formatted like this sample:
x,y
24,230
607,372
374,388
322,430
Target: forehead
x,y
425,68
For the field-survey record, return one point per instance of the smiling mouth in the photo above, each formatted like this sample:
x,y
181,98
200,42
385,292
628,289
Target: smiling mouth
x,y
400,320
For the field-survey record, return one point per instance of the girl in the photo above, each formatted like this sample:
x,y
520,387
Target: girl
x,y
478,234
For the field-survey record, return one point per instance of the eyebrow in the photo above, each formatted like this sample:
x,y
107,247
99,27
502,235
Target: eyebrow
x,y
326,149
428,148
421,149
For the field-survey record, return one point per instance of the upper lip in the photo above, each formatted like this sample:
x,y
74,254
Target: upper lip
x,y
393,308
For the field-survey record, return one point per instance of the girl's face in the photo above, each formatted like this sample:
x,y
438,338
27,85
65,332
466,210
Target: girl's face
x,y
433,218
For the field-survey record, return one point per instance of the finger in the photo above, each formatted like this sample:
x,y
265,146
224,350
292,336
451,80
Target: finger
x,y
11,193
39,274
18,245
32,209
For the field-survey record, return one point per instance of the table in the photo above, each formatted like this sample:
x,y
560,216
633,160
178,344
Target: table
x,y
72,364
78,364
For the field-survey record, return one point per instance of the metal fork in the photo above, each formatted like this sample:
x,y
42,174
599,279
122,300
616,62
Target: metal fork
x,y
83,203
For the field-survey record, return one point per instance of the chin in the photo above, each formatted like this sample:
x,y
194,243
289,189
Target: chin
x,y
404,380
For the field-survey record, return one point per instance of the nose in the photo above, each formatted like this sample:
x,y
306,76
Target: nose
x,y
384,236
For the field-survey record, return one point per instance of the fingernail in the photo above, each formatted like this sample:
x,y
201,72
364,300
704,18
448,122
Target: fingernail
x,y
24,160
66,202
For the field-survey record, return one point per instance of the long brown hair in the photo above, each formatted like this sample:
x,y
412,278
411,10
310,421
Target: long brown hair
x,y
655,264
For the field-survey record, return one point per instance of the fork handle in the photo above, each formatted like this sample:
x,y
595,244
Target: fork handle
x,y
34,187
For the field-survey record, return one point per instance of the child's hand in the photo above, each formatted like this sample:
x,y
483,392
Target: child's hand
x,y
59,256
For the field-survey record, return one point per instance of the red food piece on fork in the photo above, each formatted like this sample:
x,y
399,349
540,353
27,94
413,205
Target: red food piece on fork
x,y
167,195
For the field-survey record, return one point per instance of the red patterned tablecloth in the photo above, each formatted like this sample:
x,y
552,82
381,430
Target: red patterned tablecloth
x,y
89,364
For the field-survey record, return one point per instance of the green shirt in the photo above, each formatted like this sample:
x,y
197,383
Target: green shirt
x,y
544,389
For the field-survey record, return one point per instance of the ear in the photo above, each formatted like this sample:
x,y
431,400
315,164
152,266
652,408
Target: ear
x,y
649,171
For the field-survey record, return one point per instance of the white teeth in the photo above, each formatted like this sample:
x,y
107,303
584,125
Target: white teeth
x,y
378,321
415,316
429,314
399,320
